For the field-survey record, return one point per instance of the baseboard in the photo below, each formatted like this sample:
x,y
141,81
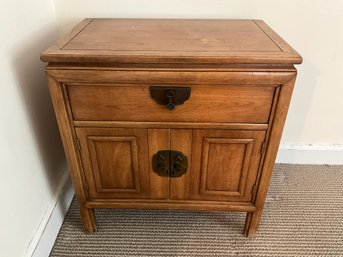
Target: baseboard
x,y
331,154
45,236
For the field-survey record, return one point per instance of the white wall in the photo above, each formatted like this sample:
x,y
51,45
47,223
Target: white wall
x,y
312,27
32,161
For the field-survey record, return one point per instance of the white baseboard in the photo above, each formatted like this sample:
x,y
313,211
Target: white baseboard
x,y
310,154
45,236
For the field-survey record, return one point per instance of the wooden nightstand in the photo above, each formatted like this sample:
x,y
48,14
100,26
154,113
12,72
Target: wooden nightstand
x,y
171,114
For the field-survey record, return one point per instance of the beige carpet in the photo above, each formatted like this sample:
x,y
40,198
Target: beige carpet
x,y
303,216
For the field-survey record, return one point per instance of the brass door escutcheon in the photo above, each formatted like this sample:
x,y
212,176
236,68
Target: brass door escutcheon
x,y
161,163
170,163
170,96
179,164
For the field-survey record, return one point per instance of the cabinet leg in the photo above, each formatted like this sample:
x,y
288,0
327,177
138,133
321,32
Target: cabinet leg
x,y
88,219
252,222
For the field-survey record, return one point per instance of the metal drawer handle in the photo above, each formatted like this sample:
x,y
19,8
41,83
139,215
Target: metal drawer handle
x,y
170,96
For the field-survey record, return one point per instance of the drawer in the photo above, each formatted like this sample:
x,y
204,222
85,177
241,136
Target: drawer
x,y
207,103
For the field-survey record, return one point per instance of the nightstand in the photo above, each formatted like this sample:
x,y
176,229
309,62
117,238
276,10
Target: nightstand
x,y
171,114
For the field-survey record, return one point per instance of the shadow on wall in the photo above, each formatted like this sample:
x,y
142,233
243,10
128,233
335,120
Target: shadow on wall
x,y
307,81
32,85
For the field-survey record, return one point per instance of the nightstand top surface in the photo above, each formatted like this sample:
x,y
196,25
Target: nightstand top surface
x,y
172,41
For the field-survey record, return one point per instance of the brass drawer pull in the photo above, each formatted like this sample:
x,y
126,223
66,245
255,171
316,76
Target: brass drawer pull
x,y
170,96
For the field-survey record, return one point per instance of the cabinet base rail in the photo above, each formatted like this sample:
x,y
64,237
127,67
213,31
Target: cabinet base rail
x,y
182,205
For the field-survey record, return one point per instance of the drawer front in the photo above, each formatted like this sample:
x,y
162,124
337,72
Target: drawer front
x,y
207,103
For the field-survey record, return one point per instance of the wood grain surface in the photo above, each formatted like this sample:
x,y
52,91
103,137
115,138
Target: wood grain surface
x,y
172,41
241,75
115,162
212,103
225,164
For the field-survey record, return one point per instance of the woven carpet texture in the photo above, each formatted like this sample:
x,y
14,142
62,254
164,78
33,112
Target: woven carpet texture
x,y
303,216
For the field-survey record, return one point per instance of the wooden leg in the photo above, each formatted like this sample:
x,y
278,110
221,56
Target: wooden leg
x,y
251,223
88,219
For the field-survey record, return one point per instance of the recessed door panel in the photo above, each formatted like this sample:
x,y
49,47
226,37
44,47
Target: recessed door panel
x,y
225,164
115,162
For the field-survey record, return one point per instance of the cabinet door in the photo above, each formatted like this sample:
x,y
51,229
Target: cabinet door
x,y
181,140
115,162
225,164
